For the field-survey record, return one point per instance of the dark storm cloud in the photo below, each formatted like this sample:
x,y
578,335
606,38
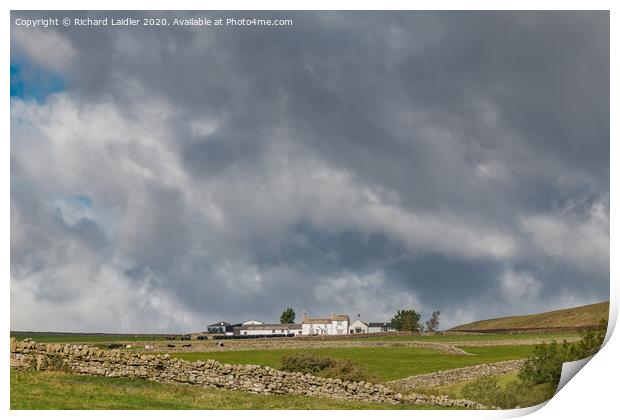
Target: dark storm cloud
x,y
430,159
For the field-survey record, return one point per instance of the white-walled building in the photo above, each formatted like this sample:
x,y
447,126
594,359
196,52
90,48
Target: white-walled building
x,y
380,327
358,327
361,327
268,329
334,325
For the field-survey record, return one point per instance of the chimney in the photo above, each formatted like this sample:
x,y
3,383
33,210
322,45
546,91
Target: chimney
x,y
304,314
333,315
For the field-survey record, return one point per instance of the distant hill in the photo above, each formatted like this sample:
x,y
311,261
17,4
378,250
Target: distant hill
x,y
570,319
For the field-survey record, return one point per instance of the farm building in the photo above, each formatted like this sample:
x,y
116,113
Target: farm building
x,y
222,327
334,325
379,327
218,327
361,327
268,329
358,327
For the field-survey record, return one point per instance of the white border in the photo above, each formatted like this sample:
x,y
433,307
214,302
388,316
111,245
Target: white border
x,y
590,395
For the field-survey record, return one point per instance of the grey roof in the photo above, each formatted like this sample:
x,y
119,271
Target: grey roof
x,y
317,321
325,320
272,327
379,324
220,324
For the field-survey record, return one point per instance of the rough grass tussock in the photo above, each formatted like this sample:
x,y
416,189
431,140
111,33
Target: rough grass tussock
x,y
325,366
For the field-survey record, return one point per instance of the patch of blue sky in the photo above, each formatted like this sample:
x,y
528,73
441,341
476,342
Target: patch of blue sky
x,y
79,209
74,209
32,82
84,200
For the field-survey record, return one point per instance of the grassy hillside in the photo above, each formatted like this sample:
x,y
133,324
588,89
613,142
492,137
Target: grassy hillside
x,y
571,318
459,337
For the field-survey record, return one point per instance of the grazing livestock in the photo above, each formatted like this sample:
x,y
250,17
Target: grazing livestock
x,y
115,346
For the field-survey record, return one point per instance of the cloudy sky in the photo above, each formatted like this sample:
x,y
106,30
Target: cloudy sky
x,y
166,178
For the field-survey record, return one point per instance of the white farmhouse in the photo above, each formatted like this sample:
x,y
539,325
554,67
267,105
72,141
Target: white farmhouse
x,y
334,325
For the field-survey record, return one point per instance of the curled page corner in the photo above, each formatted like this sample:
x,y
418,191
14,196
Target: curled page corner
x,y
570,369
611,322
520,412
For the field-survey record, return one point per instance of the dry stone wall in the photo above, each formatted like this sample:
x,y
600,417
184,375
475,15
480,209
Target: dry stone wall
x,y
431,380
82,359
295,343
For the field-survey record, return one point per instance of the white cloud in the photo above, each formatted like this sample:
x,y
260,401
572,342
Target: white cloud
x,y
368,295
574,235
519,285
304,189
75,292
46,47
156,211
204,127
239,276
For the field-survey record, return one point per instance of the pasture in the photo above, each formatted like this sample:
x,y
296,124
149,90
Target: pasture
x,y
59,391
397,358
384,363
78,338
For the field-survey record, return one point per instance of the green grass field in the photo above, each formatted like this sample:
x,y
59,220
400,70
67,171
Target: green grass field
x,y
55,390
115,338
582,316
449,338
84,338
46,390
384,363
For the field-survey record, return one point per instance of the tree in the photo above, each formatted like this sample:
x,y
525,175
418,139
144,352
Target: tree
x,y
432,325
406,320
288,316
